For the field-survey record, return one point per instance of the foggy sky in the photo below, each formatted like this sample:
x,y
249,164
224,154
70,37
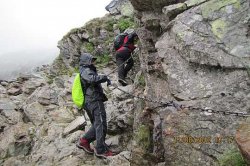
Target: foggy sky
x,y
39,24
42,23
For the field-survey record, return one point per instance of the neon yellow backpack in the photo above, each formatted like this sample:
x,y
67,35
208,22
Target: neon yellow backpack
x,y
77,92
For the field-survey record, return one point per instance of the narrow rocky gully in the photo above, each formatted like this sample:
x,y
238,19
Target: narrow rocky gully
x,y
195,53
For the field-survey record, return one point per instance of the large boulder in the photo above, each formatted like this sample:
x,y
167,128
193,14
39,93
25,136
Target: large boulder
x,y
31,85
15,141
78,124
122,7
208,34
200,59
9,115
36,113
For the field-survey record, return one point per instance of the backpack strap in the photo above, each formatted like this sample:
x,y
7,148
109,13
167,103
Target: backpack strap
x,y
85,86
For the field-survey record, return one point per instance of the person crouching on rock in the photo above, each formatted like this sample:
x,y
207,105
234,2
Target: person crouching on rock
x,y
94,106
124,54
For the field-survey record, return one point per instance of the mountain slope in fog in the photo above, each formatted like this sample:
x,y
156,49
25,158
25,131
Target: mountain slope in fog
x,y
24,61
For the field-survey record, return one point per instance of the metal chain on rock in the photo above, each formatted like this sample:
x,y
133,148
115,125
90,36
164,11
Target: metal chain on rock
x,y
180,107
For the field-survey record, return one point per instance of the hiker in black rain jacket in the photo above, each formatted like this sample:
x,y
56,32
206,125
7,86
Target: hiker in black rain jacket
x,y
94,106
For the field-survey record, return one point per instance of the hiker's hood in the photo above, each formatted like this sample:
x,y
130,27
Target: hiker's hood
x,y
86,59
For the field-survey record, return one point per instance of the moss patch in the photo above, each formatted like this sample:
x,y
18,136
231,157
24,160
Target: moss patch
x,y
216,5
232,157
143,137
219,28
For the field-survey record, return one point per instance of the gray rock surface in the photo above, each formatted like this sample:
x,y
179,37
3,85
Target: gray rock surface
x,y
78,124
123,7
14,91
195,63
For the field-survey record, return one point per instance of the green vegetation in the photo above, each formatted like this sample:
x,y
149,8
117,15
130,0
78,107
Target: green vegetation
x,y
108,25
232,157
50,79
60,69
142,81
75,30
60,66
103,60
143,137
89,47
125,23
94,23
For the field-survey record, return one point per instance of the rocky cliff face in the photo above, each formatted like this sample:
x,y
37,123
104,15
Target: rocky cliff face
x,y
193,52
198,53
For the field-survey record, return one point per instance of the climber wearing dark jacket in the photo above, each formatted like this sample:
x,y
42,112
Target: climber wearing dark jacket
x,y
94,98
123,54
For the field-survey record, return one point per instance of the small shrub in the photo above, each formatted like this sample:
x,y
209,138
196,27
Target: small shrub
x,y
125,23
142,81
89,47
103,60
108,25
50,81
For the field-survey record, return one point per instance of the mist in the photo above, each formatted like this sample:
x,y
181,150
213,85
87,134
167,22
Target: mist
x,y
30,30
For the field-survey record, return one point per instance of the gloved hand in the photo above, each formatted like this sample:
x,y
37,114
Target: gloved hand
x,y
108,82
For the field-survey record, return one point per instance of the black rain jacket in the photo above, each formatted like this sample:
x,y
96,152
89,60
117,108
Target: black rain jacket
x,y
91,81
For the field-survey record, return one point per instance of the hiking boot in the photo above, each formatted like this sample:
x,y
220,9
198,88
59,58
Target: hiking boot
x,y
104,155
85,145
122,82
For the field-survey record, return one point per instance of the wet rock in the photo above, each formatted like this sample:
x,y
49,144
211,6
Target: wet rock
x,y
4,83
207,52
15,84
12,116
120,116
113,141
14,91
47,96
6,104
103,34
2,90
120,95
62,115
54,131
59,82
191,3
173,10
78,124
15,141
73,138
122,7
122,159
31,85
147,5
36,113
